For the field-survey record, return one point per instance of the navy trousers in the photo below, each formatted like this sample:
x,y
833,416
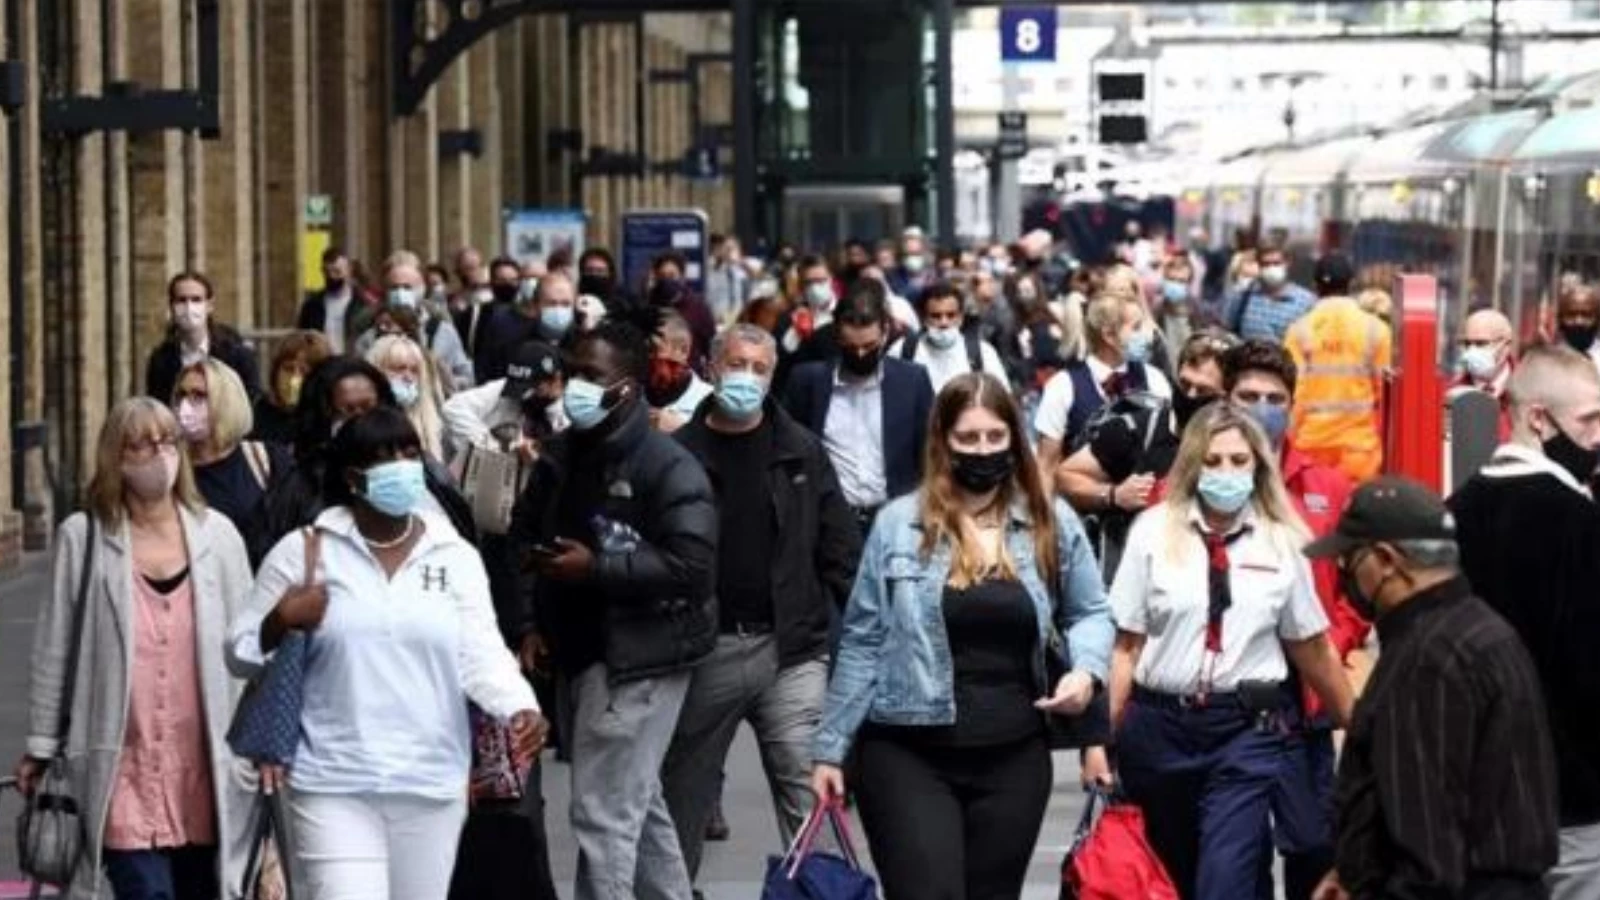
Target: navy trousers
x,y
180,873
1303,811
1204,777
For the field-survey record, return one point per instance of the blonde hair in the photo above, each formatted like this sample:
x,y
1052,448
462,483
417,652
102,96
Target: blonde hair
x,y
231,416
135,419
1377,302
424,416
1275,514
1241,259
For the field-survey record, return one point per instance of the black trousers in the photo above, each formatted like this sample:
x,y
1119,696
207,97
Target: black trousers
x,y
504,853
952,823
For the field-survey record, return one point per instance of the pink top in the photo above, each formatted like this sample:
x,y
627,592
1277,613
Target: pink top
x,y
162,796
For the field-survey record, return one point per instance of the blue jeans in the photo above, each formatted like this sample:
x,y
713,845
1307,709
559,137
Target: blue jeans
x,y
176,873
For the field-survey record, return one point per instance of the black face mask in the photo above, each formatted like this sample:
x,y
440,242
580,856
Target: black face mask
x,y
664,292
333,285
1566,453
1184,406
505,293
1579,337
981,472
1353,594
860,364
595,286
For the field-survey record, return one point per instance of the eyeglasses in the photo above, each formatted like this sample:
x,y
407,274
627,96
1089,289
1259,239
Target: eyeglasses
x,y
147,448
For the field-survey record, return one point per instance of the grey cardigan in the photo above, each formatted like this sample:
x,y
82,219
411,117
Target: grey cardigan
x,y
219,571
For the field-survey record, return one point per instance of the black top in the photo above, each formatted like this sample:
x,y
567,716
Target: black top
x,y
1531,547
1119,445
748,529
165,586
583,620
501,330
993,632
1448,782
231,487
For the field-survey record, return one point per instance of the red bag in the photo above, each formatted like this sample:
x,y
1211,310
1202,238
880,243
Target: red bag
x,y
1110,858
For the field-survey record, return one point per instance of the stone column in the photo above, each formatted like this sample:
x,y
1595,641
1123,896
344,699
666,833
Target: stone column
x,y
284,95
484,105
155,191
229,215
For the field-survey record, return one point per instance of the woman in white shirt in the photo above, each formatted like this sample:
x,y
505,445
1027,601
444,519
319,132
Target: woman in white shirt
x,y
1213,601
402,635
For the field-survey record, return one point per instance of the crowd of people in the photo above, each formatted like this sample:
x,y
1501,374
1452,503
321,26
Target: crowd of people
x,y
918,517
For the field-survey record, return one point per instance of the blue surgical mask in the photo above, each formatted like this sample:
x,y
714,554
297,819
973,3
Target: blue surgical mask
x,y
740,394
819,294
1136,347
1226,492
1479,363
1174,291
395,488
913,264
943,338
1273,419
406,392
585,403
555,320
404,297
1274,276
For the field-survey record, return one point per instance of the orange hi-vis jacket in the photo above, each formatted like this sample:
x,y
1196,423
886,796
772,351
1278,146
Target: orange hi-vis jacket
x,y
1342,353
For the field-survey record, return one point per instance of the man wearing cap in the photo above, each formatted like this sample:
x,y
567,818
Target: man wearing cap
x,y
1342,353
526,402
1448,783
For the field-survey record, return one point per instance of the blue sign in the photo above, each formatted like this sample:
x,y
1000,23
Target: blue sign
x,y
648,233
1028,34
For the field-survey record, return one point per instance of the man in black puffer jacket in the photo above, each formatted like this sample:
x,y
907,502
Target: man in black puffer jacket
x,y
621,531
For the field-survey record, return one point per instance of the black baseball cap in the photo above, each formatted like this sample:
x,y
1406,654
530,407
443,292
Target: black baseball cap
x,y
531,362
1386,509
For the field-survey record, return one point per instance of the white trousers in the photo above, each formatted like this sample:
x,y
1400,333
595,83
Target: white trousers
x,y
374,846
1577,875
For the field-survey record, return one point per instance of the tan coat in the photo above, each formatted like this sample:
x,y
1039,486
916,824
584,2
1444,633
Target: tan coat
x,y
220,573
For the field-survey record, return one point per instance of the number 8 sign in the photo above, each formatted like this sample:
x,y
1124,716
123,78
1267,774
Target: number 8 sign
x,y
1028,34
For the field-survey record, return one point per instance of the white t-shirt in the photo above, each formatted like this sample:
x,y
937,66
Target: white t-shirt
x,y
943,365
1056,402
1274,599
333,324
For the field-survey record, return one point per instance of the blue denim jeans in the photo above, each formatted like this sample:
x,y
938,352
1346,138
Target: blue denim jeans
x,y
175,873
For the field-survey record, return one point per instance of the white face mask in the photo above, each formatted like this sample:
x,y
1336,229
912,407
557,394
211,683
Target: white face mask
x,y
190,317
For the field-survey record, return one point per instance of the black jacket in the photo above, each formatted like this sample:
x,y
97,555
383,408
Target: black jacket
x,y
818,543
166,362
660,610
357,316
295,500
907,400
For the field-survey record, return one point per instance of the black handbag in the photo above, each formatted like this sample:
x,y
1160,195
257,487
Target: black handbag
x,y
51,829
266,870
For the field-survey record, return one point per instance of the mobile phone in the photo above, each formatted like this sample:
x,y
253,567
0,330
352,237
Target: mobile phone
x,y
548,551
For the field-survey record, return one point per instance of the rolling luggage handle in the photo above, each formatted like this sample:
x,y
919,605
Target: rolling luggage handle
x,y
800,847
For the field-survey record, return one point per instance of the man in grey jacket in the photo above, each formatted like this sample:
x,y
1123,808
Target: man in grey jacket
x,y
405,290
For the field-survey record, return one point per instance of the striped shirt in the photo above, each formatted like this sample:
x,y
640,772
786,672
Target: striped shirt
x,y
1448,783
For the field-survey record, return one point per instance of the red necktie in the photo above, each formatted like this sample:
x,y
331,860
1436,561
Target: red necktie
x,y
1115,385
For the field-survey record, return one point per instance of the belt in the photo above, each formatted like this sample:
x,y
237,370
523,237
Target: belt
x,y
747,629
1213,700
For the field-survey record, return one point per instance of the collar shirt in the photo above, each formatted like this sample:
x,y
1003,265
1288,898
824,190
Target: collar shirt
x,y
944,364
1165,597
188,355
1268,317
1056,401
391,668
853,436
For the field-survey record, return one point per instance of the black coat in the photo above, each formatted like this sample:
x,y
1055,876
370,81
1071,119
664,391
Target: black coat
x,y
907,401
313,314
660,610
166,362
818,543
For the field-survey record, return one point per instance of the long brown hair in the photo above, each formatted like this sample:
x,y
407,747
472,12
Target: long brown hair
x,y
941,507
134,419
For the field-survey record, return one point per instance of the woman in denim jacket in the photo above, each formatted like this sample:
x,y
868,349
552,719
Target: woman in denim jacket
x,y
966,589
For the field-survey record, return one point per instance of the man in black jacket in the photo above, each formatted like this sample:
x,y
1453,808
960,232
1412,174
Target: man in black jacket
x,y
788,552
622,532
1530,543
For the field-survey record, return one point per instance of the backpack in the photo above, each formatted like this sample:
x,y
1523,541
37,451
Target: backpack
x,y
908,348
1127,409
260,461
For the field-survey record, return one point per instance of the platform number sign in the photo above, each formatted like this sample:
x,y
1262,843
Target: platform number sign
x,y
1028,34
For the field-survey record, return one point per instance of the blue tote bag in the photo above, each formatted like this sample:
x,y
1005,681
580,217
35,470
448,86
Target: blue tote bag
x,y
266,726
804,874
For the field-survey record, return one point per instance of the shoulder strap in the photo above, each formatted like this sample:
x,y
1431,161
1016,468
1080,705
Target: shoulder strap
x,y
432,329
908,346
255,453
91,537
1238,311
974,350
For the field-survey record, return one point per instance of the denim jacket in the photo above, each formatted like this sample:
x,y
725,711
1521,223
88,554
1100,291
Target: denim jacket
x,y
894,664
